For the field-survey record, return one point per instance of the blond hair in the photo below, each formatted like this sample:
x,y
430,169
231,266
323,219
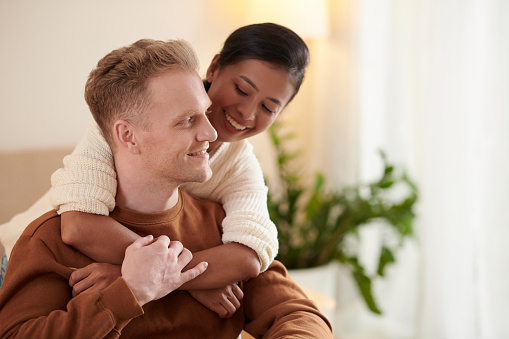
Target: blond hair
x,y
117,87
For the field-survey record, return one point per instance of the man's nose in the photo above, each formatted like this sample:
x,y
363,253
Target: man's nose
x,y
207,132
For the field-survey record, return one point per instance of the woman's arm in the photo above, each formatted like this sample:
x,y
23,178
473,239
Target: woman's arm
x,y
105,240
84,192
88,181
228,264
100,237
237,182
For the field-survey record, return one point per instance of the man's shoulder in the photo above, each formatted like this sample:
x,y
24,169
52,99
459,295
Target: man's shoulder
x,y
46,224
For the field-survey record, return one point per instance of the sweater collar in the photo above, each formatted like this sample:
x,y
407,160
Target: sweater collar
x,y
129,217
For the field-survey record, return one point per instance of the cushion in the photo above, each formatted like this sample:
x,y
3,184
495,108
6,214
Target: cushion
x,y
11,230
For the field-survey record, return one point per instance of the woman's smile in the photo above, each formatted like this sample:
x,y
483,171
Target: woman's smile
x,y
237,126
246,98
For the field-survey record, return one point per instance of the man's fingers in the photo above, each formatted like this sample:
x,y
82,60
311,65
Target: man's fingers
x,y
176,247
194,272
140,242
185,257
162,241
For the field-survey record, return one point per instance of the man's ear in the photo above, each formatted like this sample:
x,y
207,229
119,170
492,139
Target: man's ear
x,y
213,68
125,137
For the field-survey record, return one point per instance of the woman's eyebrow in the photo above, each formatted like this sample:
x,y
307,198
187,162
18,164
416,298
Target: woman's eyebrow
x,y
249,82
246,79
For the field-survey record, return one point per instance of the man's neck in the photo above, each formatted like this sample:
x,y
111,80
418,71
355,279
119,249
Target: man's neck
x,y
136,193
145,201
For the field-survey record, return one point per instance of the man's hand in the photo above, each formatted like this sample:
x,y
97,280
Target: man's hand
x,y
153,268
224,301
96,276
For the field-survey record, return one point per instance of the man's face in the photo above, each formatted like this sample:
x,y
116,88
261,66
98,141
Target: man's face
x,y
174,146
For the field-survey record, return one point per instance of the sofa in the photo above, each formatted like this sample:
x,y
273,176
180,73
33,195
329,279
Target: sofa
x,y
24,178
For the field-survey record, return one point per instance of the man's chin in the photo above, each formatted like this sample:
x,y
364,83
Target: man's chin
x,y
208,176
204,177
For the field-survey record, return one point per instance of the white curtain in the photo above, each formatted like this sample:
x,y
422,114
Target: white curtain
x,y
428,82
431,80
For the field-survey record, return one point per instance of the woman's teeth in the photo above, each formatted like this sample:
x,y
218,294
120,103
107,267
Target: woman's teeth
x,y
234,124
198,153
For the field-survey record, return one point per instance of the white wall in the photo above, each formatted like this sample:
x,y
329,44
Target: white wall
x,y
49,47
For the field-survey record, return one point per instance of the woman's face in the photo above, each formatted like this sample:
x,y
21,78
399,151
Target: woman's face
x,y
246,97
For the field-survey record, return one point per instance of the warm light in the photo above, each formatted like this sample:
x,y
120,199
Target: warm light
x,y
308,18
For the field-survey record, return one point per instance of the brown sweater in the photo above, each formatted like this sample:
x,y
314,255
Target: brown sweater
x,y
36,300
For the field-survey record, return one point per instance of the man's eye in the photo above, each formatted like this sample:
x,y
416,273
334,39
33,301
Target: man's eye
x,y
241,92
187,121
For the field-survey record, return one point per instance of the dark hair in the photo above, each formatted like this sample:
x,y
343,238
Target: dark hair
x,y
267,42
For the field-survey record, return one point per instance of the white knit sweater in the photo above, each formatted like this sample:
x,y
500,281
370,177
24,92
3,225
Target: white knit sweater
x,y
87,183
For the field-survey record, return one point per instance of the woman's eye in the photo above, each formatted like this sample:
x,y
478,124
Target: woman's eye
x,y
268,110
241,92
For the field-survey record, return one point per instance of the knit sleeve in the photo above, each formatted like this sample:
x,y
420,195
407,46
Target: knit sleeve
x,y
87,183
237,182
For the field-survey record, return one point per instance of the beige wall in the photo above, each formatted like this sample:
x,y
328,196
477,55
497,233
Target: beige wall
x,y
49,47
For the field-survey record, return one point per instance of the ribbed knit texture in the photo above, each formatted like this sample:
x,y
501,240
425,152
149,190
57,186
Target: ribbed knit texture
x,y
88,183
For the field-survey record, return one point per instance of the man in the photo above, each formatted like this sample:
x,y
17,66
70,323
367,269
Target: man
x,y
159,134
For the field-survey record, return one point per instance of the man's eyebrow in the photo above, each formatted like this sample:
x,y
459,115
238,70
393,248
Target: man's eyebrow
x,y
246,79
190,112
185,114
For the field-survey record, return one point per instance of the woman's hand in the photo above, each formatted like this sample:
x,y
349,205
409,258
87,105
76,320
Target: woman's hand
x,y
95,277
224,301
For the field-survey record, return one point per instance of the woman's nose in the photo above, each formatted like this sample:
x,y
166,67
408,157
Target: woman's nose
x,y
248,110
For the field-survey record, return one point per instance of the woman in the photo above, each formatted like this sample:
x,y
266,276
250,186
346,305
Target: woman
x,y
256,74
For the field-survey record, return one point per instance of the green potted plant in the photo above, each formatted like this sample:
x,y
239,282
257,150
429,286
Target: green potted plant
x,y
313,223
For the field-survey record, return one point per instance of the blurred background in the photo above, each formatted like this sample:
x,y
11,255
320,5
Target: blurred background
x,y
427,81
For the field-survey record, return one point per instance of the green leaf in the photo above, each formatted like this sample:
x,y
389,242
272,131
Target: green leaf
x,y
386,184
313,222
386,258
364,285
319,182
